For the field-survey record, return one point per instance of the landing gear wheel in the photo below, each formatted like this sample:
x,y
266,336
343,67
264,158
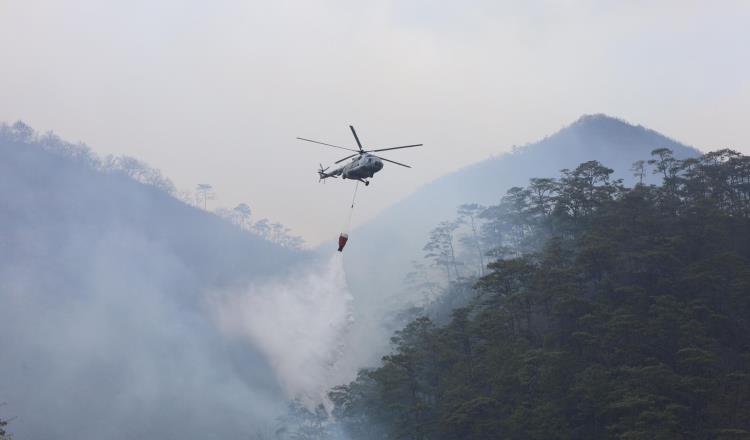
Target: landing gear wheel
x,y
367,182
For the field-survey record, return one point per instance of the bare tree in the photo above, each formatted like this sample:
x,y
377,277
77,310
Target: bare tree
x,y
203,193
242,214
139,171
278,231
639,170
263,228
440,247
469,214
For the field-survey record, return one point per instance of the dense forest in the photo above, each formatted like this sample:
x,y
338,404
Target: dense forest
x,y
595,311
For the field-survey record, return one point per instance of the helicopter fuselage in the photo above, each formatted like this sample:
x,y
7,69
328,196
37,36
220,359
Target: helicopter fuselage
x,y
361,167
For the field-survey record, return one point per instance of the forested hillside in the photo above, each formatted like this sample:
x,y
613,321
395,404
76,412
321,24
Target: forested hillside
x,y
106,328
604,312
381,253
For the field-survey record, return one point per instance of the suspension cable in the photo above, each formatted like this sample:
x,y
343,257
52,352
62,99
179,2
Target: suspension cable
x,y
351,209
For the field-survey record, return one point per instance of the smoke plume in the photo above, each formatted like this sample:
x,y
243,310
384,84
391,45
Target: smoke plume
x,y
299,323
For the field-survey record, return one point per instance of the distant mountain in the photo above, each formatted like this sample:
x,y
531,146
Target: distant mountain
x,y
379,253
105,330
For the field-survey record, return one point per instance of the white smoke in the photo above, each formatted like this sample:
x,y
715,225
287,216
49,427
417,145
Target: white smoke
x,y
299,323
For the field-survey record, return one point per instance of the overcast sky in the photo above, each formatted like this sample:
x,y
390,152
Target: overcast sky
x,y
216,92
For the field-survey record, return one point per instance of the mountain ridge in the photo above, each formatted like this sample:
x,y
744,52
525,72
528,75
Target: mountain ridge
x,y
589,124
381,251
107,286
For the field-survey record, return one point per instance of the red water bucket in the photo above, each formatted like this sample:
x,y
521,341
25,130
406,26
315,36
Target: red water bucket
x,y
343,238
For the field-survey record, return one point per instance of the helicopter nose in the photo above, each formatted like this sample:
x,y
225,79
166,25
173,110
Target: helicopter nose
x,y
378,164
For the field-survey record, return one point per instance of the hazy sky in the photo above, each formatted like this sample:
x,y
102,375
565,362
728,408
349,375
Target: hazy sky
x,y
217,91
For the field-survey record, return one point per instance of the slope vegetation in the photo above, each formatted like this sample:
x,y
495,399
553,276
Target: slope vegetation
x,y
614,312
105,329
382,251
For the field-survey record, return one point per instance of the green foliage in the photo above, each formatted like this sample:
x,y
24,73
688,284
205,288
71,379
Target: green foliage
x,y
608,313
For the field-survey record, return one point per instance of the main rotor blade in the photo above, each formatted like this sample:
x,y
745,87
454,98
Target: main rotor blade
x,y
356,137
392,161
393,148
323,143
347,157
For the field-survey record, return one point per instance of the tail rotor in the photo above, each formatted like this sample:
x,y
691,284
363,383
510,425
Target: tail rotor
x,y
322,173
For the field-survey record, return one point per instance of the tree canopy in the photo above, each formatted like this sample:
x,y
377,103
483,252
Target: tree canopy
x,y
604,312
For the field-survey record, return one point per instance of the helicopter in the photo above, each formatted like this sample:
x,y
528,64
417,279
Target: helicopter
x,y
364,164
